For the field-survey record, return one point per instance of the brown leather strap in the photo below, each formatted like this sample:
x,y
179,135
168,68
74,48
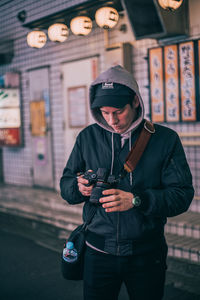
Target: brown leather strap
x,y
139,146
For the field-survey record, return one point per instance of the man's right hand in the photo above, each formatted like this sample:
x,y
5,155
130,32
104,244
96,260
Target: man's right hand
x,y
82,182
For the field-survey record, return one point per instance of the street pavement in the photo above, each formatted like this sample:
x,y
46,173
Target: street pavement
x,y
29,271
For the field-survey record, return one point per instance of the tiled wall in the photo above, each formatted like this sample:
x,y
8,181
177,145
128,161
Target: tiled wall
x,y
18,162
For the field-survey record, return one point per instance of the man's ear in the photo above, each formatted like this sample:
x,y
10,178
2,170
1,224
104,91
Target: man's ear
x,y
136,102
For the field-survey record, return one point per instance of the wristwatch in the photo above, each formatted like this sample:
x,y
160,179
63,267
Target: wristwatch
x,y
136,201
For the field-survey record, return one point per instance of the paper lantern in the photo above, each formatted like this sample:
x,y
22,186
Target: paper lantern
x,y
106,17
81,25
36,39
170,4
58,32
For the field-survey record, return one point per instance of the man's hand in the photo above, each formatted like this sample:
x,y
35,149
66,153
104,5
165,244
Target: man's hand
x,y
116,200
85,190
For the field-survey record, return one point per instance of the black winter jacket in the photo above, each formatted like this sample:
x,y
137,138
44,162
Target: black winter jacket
x,y
162,179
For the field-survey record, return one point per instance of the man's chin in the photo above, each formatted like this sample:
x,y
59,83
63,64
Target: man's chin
x,y
119,130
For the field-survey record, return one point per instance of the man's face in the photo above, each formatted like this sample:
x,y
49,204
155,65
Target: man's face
x,y
120,119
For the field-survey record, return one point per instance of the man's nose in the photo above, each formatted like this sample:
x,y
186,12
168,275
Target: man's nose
x,y
113,119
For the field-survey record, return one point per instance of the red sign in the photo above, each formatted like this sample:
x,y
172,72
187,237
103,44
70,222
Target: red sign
x,y
10,137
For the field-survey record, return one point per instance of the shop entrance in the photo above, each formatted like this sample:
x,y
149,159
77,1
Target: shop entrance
x,y
77,77
40,128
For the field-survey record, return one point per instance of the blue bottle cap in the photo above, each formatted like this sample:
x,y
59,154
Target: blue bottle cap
x,y
70,245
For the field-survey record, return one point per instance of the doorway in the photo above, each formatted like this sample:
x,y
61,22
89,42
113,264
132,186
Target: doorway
x,y
41,136
77,77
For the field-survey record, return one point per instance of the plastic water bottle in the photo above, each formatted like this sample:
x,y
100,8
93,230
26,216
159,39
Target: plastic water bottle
x,y
70,253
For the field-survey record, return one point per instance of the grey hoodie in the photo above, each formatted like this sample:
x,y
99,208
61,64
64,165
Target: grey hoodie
x,y
119,75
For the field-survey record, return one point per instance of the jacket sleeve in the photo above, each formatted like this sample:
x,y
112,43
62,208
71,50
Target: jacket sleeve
x,y
68,182
176,191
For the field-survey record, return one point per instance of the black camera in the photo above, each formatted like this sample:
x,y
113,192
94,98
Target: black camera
x,y
102,180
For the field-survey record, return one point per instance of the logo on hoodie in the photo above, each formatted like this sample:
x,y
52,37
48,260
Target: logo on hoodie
x,y
107,85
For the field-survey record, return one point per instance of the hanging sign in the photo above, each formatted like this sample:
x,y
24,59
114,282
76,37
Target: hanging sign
x,y
156,82
171,83
198,103
187,79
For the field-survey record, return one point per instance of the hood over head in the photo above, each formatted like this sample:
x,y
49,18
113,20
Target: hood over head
x,y
115,87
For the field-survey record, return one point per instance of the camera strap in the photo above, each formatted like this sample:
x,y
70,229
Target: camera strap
x,y
139,146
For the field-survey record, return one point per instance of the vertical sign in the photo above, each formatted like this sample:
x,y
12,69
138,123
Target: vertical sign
x,y
156,83
171,83
198,102
187,77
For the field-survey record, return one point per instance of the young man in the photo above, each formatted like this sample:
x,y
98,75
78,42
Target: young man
x,y
125,240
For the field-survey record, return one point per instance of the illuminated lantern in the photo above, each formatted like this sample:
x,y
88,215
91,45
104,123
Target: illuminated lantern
x,y
81,25
106,17
36,39
58,32
170,4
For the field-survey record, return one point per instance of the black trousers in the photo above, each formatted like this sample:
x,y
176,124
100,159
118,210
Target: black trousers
x,y
143,275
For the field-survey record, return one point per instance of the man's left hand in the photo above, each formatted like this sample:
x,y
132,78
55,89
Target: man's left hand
x,y
116,200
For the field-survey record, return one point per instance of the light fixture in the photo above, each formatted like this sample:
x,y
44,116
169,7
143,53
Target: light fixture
x,y
106,17
170,4
36,39
58,32
81,25
21,16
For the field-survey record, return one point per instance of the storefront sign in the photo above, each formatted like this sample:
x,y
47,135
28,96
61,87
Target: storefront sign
x,y
187,79
10,118
178,99
171,83
10,137
198,102
156,82
9,98
10,114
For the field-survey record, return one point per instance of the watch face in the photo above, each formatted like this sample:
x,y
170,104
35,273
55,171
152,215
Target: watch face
x,y
136,201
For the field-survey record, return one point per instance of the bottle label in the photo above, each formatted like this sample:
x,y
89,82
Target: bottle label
x,y
69,255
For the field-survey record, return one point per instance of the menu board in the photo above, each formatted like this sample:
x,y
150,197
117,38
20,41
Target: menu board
x,y
171,83
174,82
156,83
198,103
77,106
10,114
187,81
